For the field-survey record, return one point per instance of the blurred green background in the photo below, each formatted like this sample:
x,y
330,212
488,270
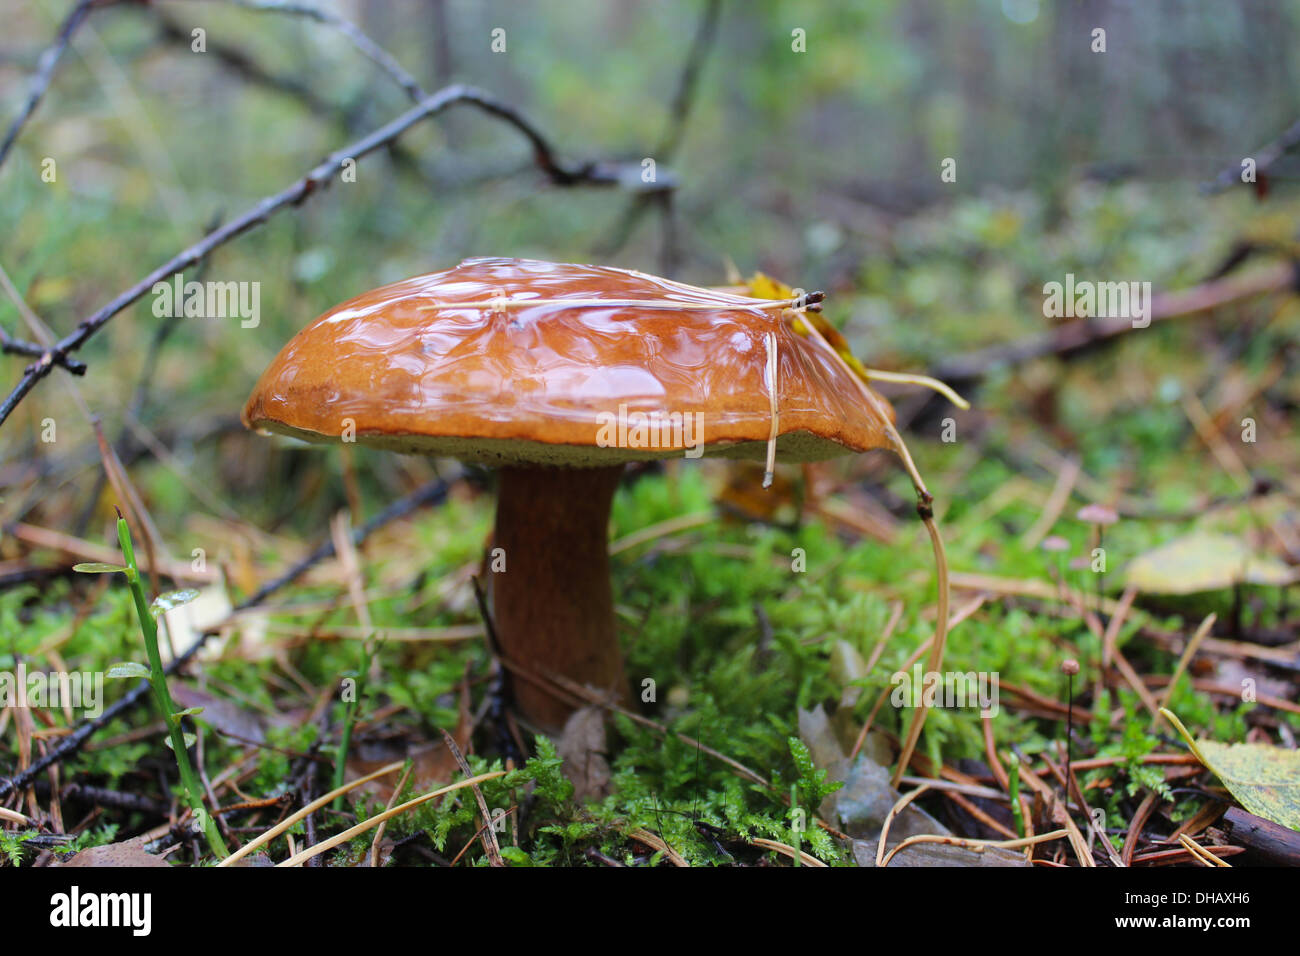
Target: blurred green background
x,y
820,167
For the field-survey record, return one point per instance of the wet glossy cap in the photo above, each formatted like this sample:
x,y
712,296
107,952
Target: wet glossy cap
x,y
423,366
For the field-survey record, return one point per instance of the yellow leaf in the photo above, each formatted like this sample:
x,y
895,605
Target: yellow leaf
x,y
1203,561
765,287
1264,779
761,286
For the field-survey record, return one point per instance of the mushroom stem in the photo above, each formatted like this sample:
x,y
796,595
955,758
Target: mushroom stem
x,y
552,606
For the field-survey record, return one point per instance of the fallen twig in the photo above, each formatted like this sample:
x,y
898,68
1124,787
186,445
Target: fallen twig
x,y
1081,333
1278,844
431,493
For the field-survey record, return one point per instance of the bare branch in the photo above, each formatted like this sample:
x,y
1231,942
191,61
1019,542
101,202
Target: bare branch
x,y
45,71
598,174
247,69
680,110
12,346
368,48
1266,157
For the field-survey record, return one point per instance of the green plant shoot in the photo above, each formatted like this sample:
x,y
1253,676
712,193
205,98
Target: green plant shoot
x,y
368,651
158,680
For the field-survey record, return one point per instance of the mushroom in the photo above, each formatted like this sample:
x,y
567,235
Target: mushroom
x,y
558,375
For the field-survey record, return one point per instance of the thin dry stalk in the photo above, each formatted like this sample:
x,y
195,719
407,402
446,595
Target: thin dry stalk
x,y
299,858
1135,826
899,805
1199,853
341,533
1077,842
895,613
306,811
1186,658
655,842
489,833
379,833
936,647
977,845
1056,502
807,859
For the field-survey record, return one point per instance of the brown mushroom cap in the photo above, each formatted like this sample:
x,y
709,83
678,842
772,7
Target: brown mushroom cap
x,y
452,364
418,370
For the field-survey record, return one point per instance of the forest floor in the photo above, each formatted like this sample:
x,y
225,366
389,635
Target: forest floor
x,y
772,623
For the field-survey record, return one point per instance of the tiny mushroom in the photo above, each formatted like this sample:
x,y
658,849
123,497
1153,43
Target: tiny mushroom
x,y
1055,543
1097,514
558,375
